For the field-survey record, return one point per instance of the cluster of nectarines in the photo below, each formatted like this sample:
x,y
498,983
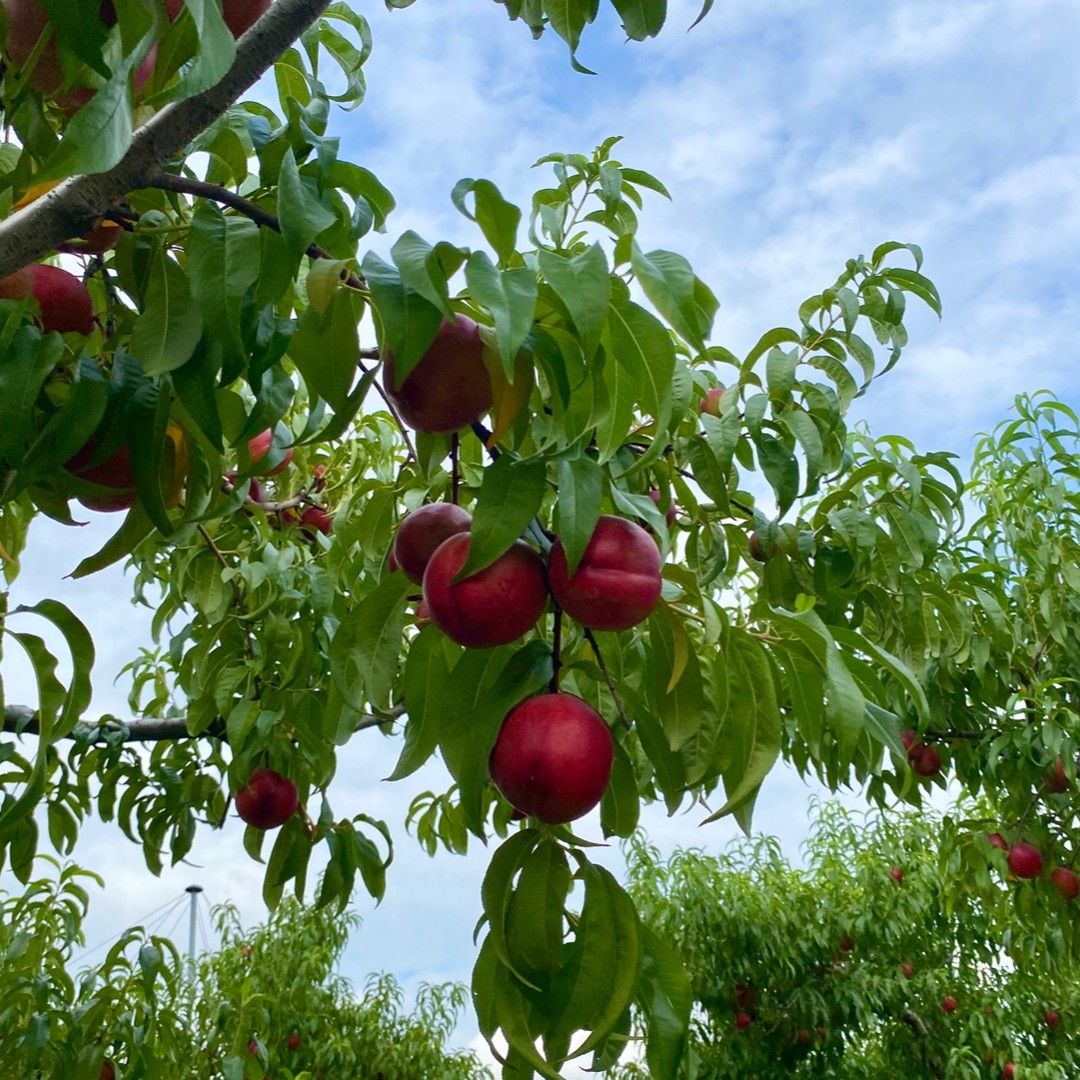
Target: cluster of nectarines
x,y
554,753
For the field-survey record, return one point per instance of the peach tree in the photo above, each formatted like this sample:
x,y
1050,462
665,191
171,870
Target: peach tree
x,y
507,504
870,961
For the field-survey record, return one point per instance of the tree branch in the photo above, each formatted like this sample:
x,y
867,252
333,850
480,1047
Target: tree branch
x,y
187,185
22,720
75,205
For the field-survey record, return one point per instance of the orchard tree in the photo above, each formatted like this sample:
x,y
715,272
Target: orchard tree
x,y
667,566
268,999
872,961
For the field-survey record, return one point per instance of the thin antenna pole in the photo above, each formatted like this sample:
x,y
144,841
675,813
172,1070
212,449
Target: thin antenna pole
x,y
192,891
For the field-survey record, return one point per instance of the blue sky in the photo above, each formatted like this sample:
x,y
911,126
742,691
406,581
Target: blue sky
x,y
792,135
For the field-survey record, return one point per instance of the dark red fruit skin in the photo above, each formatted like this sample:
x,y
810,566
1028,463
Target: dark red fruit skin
x,y
64,300
315,519
239,15
422,531
907,969
268,800
108,1070
294,1040
743,1020
617,583
927,762
1025,861
948,1004
998,841
553,757
846,944
744,996
1066,882
259,446
672,511
1057,782
449,387
116,472
1051,1018
495,606
897,874
756,548
1009,1071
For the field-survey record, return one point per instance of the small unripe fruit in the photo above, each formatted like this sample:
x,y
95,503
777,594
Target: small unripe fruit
x,y
422,531
268,800
1066,882
553,757
896,874
259,446
64,301
743,1020
492,607
948,1004
449,387
318,478
1025,861
756,548
710,403
616,584
672,511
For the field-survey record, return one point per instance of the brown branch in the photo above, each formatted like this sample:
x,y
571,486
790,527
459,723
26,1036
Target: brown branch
x,y
23,720
187,185
76,204
393,412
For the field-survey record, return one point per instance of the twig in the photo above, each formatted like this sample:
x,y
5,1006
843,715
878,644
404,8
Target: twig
x,y
237,591
23,720
186,185
590,637
556,650
455,471
393,412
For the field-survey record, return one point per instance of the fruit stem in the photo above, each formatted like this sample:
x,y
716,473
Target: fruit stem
x,y
556,650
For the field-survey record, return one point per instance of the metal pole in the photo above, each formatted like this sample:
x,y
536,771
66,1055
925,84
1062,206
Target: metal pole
x,y
192,891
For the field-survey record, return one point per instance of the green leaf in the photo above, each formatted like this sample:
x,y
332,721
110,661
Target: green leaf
x,y
620,807
497,889
299,208
223,264
510,296
675,678
28,362
364,650
420,270
509,498
326,348
426,673
534,918
136,527
497,218
581,487
168,327
408,322
674,290
666,995
752,722
640,343
582,283
918,285
598,980
641,19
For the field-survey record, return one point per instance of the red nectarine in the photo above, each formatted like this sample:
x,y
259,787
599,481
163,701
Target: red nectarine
x,y
422,531
267,800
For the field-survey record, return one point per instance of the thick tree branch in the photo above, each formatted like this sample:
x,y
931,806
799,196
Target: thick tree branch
x,y
186,185
22,720
75,205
